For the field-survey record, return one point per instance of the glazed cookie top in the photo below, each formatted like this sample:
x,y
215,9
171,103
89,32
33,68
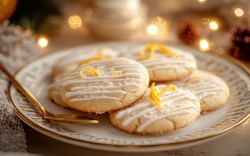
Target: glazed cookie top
x,y
116,79
71,61
158,56
203,84
158,103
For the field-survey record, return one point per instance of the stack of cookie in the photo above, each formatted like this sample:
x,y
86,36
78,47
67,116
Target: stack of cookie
x,y
148,90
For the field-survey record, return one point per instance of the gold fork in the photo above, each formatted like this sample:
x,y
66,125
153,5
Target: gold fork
x,y
83,119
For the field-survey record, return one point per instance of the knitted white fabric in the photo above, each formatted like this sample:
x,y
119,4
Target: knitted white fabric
x,y
16,48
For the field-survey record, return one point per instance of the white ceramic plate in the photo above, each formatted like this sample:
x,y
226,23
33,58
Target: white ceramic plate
x,y
36,77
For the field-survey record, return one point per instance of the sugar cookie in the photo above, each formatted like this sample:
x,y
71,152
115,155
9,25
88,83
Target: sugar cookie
x,y
210,89
54,94
105,85
163,63
54,91
178,108
71,61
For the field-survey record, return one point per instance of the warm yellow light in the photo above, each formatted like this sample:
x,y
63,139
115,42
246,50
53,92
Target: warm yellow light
x,y
238,12
75,22
202,1
204,45
43,42
152,29
213,25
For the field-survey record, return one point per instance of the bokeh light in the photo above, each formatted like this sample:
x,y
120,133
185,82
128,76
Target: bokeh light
x,y
152,29
158,27
74,22
213,25
238,12
204,45
43,42
202,1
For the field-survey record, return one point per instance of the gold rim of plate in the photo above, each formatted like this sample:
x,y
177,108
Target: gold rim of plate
x,y
134,147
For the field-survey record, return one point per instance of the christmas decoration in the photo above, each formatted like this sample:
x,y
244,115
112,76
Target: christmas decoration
x,y
240,47
187,33
42,17
7,8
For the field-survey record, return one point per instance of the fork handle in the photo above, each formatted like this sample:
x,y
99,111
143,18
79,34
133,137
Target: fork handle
x,y
21,88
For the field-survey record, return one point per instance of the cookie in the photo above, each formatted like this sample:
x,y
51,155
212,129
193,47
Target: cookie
x,y
54,94
211,90
71,61
54,91
177,108
163,63
105,85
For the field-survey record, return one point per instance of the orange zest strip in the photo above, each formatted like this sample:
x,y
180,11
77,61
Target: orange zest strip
x,y
154,94
169,87
151,49
157,103
154,97
95,72
166,51
98,57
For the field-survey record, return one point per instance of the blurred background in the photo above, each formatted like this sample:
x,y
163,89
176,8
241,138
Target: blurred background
x,y
208,25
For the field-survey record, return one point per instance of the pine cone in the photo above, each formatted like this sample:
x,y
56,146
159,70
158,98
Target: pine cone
x,y
187,33
240,47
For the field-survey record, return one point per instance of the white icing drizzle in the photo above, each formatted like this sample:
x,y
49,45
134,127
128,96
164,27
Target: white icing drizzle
x,y
170,67
78,93
93,98
176,61
132,109
83,88
208,86
162,61
80,80
168,104
146,106
107,63
106,86
168,63
169,114
77,76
